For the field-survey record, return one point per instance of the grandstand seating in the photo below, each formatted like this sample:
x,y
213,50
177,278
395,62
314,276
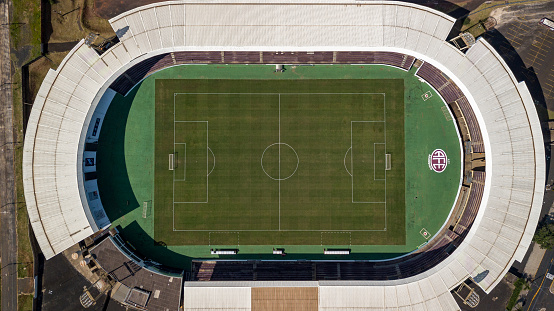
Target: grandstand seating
x,y
316,270
441,82
241,57
474,200
388,58
472,124
125,82
297,57
198,57
272,271
451,93
69,96
413,264
135,74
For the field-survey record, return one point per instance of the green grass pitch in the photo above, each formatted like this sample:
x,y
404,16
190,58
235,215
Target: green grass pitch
x,y
128,154
266,162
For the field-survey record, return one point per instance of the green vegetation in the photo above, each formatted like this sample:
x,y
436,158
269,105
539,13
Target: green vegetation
x,y
25,35
126,158
316,130
518,286
544,235
24,250
25,39
25,302
25,26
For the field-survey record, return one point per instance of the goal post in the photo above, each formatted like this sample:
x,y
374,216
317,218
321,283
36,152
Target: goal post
x,y
387,162
144,209
171,162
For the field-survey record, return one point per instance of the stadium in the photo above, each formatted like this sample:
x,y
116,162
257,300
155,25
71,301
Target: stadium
x,y
255,156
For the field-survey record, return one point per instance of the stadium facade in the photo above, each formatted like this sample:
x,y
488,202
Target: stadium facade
x,y
61,191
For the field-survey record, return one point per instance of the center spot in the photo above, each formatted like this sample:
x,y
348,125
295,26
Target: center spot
x,y
279,161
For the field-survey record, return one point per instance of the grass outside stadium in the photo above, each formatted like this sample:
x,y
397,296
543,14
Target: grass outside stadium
x,y
242,157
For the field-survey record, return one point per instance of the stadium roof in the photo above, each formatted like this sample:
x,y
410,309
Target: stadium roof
x,y
64,207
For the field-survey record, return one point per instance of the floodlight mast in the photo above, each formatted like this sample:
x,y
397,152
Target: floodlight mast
x,y
92,37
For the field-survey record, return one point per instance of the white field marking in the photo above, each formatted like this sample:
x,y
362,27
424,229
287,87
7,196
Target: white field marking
x,y
276,230
279,94
207,174
213,156
351,157
349,233
345,155
175,143
171,161
374,157
352,166
185,164
385,118
216,232
204,202
185,168
297,161
425,233
173,182
207,164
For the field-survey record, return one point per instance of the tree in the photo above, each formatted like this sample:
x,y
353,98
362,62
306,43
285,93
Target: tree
x,y
544,236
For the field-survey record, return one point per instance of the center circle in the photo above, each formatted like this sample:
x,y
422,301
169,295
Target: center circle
x,y
279,161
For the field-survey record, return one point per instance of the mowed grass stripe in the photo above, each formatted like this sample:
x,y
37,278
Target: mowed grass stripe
x,y
315,136
239,127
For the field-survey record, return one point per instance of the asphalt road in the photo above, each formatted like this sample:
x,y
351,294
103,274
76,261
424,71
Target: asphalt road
x,y
62,286
7,182
539,297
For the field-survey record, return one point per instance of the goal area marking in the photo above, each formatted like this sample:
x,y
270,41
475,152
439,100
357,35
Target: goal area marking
x,y
175,161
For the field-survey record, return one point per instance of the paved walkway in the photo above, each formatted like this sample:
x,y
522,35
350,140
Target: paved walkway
x,y
7,190
534,261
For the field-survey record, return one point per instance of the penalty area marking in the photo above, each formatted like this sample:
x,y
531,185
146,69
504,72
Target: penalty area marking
x,y
345,155
213,156
374,164
184,163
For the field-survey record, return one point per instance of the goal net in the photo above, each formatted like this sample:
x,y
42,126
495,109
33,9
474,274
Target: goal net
x,y
387,162
144,209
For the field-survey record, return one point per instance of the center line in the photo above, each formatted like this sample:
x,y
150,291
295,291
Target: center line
x,y
279,162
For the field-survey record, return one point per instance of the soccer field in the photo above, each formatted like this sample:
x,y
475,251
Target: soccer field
x,y
221,161
279,162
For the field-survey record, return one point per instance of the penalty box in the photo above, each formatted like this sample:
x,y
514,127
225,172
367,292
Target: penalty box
x,y
190,162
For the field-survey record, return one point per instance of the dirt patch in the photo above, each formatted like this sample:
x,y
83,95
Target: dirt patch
x,y
25,286
532,12
73,20
92,22
109,8
64,18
